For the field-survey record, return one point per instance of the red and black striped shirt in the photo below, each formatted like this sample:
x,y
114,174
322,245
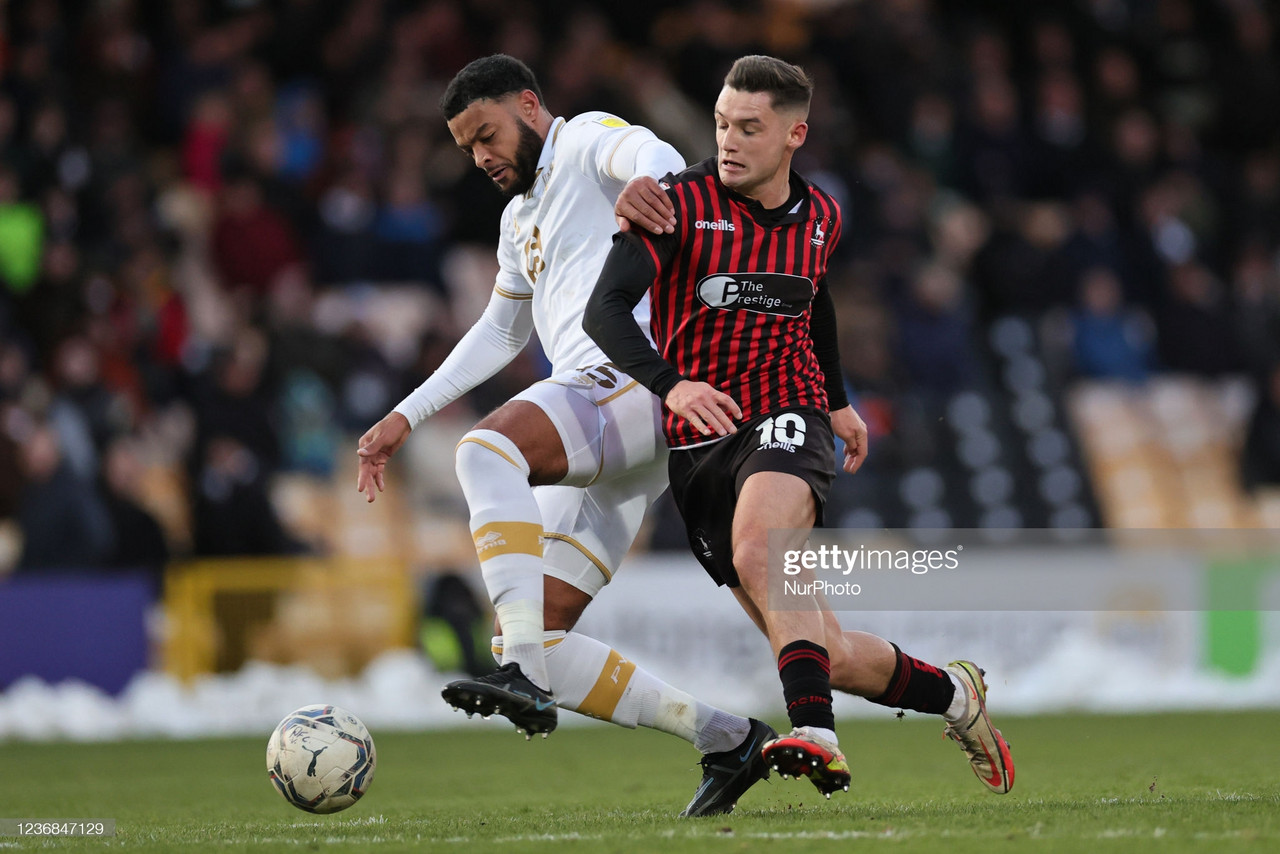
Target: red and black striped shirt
x,y
731,293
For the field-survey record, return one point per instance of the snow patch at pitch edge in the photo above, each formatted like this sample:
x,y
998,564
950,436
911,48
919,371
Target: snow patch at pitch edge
x,y
400,691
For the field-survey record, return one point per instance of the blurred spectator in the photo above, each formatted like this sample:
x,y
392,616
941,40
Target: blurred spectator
x,y
344,248
1021,269
21,236
1062,144
84,412
63,520
1195,328
1261,463
1095,239
1117,83
231,511
994,153
1256,292
301,119
233,403
206,140
1246,67
252,243
150,328
1111,340
408,228
934,341
1254,208
139,541
11,475
932,136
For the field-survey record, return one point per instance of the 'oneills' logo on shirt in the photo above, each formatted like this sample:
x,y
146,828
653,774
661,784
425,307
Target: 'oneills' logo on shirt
x,y
764,293
717,225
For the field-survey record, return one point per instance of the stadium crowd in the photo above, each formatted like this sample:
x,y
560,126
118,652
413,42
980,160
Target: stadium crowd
x,y
200,201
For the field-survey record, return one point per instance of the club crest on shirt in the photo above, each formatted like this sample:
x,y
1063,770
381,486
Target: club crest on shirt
x,y
819,232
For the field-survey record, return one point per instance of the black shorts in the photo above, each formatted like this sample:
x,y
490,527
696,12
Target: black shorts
x,y
706,480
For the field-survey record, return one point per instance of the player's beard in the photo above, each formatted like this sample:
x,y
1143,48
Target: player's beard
x,y
525,167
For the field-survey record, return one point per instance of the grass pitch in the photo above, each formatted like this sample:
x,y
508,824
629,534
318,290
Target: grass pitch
x,y
1084,783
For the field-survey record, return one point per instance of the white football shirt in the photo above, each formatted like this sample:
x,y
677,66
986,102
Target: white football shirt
x,y
555,237
552,246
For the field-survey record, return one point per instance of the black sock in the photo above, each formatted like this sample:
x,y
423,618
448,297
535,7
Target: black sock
x,y
917,686
805,671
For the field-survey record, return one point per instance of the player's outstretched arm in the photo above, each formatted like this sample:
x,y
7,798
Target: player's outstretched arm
x,y
852,430
643,203
375,448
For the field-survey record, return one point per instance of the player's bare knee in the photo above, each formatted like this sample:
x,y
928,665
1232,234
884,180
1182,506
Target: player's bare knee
x,y
531,431
751,561
482,447
751,554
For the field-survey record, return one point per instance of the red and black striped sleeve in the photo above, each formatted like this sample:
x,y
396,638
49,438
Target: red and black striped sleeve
x,y
629,270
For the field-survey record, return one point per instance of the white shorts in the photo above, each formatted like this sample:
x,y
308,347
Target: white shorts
x,y
611,429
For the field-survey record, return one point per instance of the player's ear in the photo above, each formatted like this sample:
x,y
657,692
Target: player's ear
x,y
528,104
799,132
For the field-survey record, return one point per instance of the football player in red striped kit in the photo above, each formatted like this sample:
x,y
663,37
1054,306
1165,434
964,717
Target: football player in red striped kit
x,y
747,366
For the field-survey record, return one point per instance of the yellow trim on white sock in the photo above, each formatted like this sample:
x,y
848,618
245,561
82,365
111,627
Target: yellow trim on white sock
x,y
605,695
546,644
503,538
482,443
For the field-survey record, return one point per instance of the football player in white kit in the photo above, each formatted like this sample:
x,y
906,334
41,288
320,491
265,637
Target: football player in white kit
x,y
558,479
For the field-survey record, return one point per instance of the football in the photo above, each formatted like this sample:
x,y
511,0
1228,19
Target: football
x,y
321,758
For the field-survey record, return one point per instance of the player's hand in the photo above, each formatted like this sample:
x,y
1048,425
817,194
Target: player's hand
x,y
375,448
852,430
708,410
643,203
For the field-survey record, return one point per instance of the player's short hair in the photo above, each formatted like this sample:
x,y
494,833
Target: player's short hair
x,y
489,77
787,84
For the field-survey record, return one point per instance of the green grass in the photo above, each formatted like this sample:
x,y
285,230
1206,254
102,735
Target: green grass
x,y
1084,783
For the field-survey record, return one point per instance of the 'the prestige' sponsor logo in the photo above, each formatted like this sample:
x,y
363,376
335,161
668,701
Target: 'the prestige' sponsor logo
x,y
765,293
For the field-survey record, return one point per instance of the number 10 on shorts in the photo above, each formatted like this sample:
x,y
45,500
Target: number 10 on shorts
x,y
784,431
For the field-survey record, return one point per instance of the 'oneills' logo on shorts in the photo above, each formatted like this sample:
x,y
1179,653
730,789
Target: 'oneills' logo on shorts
x,y
764,293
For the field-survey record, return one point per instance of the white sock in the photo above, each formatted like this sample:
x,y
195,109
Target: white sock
x,y
590,678
827,735
507,528
959,702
